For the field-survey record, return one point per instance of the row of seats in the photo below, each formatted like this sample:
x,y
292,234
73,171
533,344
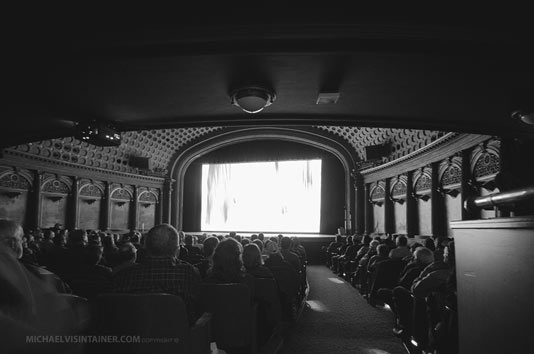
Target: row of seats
x,y
425,324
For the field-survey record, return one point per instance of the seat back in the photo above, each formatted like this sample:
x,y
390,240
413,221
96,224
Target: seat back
x,y
386,275
269,307
233,314
151,317
289,284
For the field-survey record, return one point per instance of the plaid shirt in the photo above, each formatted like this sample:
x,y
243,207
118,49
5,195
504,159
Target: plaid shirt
x,y
161,275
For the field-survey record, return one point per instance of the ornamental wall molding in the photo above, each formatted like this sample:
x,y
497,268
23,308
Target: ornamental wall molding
x,y
436,151
33,162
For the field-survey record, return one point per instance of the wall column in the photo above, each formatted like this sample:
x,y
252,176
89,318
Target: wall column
x,y
359,222
73,210
369,222
389,216
436,202
411,207
134,217
106,207
36,197
167,194
468,188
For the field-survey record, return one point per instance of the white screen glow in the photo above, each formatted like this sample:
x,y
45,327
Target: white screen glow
x,y
281,196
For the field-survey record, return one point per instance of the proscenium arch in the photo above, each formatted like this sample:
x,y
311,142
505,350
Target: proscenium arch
x,y
184,158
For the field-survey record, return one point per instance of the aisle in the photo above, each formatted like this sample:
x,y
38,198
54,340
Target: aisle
x,y
339,321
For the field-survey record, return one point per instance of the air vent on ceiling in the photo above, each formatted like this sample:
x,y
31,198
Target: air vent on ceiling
x,y
327,97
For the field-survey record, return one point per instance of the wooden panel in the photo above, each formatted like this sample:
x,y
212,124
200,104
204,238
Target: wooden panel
x,y
147,216
400,217
89,213
495,284
14,207
120,215
378,215
53,210
424,217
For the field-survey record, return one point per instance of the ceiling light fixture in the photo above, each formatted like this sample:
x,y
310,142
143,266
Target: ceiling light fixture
x,y
252,99
527,118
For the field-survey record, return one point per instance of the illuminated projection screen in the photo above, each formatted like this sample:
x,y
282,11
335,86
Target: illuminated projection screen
x,y
281,196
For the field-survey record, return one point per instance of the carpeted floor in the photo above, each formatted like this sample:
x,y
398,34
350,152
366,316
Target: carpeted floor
x,y
339,320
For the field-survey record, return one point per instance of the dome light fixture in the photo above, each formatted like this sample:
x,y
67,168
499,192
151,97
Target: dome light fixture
x,y
252,99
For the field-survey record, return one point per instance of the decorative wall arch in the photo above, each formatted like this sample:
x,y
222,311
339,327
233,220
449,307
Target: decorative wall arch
x,y
185,157
422,183
485,163
450,176
398,189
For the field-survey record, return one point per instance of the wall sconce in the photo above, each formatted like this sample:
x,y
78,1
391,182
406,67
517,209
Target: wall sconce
x,y
252,99
12,195
120,203
397,200
376,202
146,205
89,201
452,192
424,197
55,198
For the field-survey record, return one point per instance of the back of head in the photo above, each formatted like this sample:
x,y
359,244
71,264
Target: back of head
x,y
366,240
259,243
285,243
252,256
77,237
374,244
162,240
401,241
424,256
382,250
261,237
271,248
127,252
339,238
209,245
227,262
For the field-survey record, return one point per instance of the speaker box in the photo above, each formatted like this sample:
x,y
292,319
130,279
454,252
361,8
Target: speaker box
x,y
142,163
376,152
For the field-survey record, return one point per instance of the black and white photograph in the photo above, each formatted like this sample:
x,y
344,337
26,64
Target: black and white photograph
x,y
262,178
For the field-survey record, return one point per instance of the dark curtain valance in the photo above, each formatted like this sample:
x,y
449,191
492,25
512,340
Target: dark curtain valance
x,y
263,150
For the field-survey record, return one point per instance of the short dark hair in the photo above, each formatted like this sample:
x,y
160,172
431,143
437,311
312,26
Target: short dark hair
x,y
285,243
383,250
402,240
162,240
209,245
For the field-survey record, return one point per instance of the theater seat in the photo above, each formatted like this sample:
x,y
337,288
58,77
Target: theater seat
x,y
160,321
269,308
234,326
289,283
385,275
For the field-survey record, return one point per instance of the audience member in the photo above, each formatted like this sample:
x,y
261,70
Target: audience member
x,y
285,250
253,262
402,249
161,271
125,258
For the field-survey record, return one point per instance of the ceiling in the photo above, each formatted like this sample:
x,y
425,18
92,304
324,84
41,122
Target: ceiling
x,y
462,73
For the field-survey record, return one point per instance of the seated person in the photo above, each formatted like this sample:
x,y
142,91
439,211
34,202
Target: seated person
x,y
382,255
88,278
289,256
208,249
402,249
253,262
298,249
126,257
28,305
161,271
228,265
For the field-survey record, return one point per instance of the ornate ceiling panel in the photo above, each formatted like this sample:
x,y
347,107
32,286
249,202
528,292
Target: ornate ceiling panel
x,y
161,145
